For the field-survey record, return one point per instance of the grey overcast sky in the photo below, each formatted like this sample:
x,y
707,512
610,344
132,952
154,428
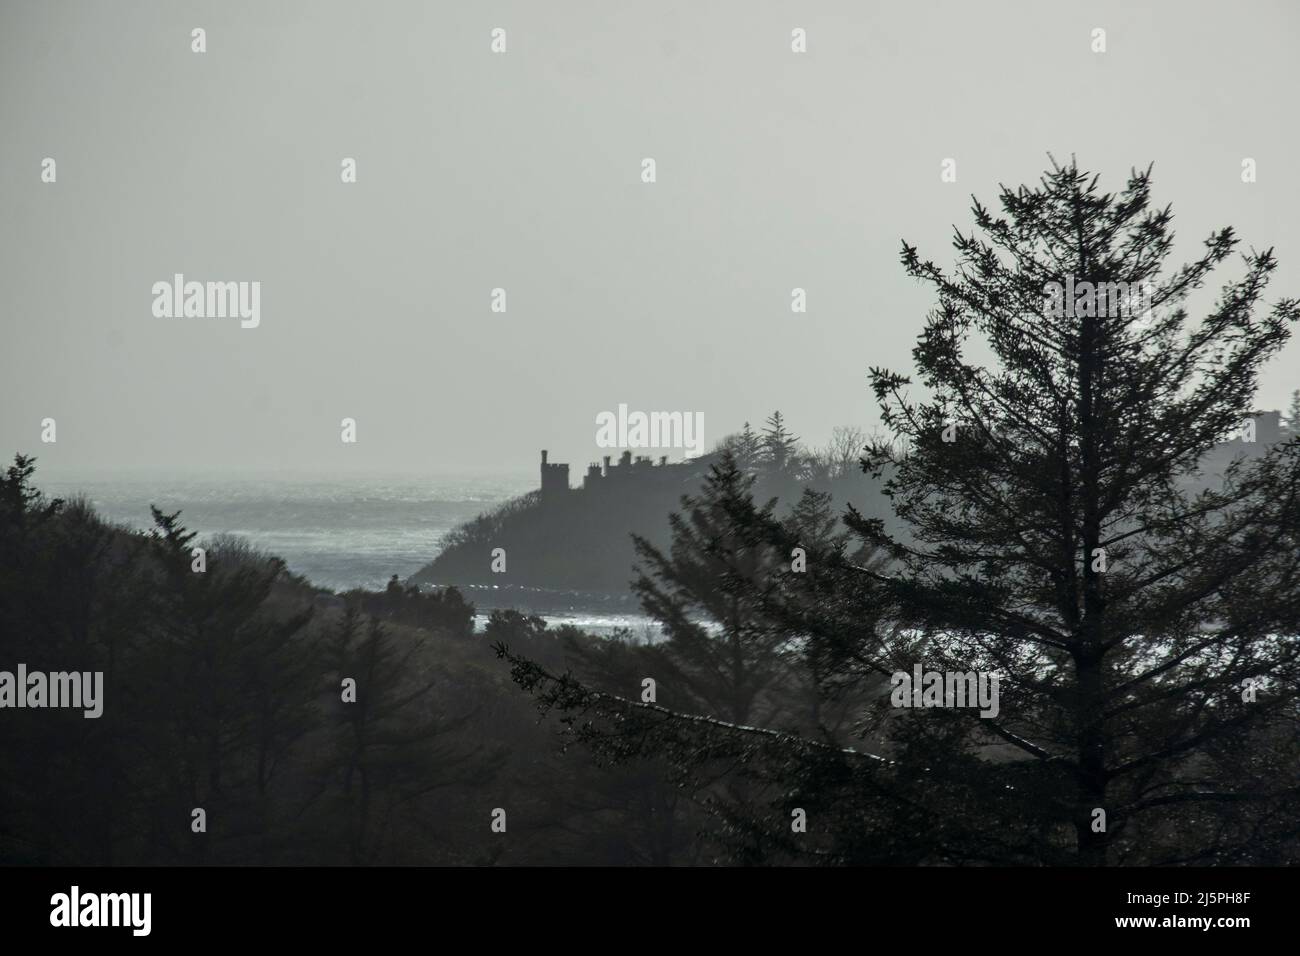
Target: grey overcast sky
x,y
522,170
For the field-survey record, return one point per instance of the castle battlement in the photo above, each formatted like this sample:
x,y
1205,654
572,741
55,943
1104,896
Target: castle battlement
x,y
555,479
627,470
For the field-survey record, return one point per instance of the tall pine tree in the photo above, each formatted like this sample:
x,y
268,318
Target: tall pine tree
x,y
1059,531
1054,535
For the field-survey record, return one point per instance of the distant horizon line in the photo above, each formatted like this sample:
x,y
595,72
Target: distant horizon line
x,y
71,473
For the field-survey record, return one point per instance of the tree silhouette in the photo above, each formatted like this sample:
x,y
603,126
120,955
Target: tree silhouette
x,y
394,746
1058,531
1054,535
708,576
780,448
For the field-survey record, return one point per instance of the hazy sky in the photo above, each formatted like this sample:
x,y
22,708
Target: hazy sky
x,y
522,170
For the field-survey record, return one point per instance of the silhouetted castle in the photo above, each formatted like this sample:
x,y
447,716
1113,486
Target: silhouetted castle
x,y
641,473
626,473
555,478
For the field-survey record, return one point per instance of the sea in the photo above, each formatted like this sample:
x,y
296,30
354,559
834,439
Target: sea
x,y
347,532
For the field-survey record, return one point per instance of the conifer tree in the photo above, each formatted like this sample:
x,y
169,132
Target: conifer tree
x,y
227,689
725,648
780,448
1054,533
746,447
1058,531
394,744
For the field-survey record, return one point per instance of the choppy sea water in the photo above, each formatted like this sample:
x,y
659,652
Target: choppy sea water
x,y
342,532
339,533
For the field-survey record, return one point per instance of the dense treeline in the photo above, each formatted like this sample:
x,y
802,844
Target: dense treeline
x,y
224,692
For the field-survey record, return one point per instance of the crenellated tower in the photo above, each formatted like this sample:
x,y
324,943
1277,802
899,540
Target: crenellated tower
x,y
555,479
